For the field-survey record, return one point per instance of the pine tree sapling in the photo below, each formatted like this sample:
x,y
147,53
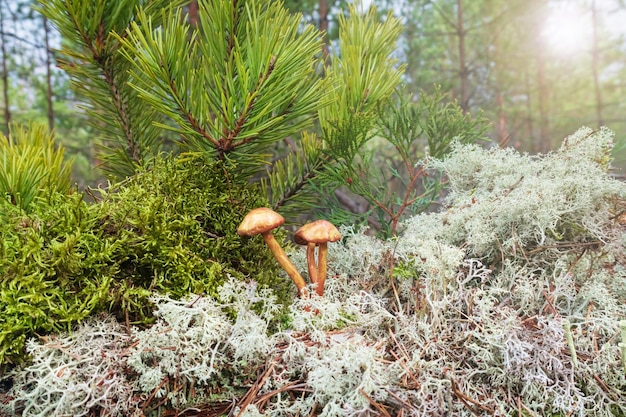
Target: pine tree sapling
x,y
241,80
32,165
245,78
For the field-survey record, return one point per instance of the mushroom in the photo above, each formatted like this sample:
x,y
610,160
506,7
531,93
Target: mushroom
x,y
262,221
319,232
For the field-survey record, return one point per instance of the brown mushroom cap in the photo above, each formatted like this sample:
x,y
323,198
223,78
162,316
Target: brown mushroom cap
x,y
260,220
319,231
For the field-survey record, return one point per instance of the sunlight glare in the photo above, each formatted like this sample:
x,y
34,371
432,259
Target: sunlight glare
x,y
568,30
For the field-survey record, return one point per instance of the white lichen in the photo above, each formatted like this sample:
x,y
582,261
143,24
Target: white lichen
x,y
71,374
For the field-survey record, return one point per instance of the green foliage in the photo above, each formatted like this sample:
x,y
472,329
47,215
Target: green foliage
x,y
170,229
371,138
241,81
364,74
361,78
31,166
386,166
432,123
91,57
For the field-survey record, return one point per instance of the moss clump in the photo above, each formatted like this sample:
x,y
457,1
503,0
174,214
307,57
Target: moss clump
x,y
179,224
170,229
54,268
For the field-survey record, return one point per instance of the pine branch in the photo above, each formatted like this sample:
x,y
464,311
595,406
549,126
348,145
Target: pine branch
x,y
297,186
243,118
289,180
132,147
190,117
258,82
99,73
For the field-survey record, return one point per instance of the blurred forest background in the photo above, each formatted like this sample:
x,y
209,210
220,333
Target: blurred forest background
x,y
537,69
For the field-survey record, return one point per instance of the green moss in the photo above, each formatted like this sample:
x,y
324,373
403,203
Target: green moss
x,y
45,286
170,229
179,222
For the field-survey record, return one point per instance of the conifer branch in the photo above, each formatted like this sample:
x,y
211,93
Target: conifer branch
x,y
255,64
133,149
230,136
224,144
108,71
131,131
188,115
300,184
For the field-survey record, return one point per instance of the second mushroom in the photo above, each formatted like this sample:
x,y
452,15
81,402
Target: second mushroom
x,y
314,234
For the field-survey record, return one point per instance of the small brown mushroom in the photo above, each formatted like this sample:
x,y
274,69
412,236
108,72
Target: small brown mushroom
x,y
319,232
262,221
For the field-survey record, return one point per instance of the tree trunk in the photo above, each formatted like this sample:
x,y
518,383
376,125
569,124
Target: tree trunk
x,y
541,138
543,141
529,108
501,128
323,27
595,62
5,74
49,100
494,56
193,13
463,71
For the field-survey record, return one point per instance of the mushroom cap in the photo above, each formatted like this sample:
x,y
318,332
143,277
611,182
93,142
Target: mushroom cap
x,y
260,220
319,231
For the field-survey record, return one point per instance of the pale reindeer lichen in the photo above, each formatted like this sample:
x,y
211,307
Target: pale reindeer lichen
x,y
73,374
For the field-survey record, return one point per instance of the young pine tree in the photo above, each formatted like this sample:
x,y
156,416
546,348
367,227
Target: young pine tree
x,y
244,80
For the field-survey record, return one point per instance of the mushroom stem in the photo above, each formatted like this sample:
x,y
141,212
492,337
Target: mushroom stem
x,y
321,268
283,260
310,260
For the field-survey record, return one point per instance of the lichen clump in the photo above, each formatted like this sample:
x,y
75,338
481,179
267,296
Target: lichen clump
x,y
507,302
